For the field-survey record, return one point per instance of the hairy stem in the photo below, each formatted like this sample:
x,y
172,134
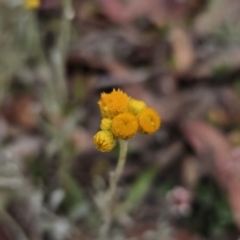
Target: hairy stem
x,y
111,194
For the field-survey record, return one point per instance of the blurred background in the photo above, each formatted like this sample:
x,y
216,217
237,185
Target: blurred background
x,y
182,57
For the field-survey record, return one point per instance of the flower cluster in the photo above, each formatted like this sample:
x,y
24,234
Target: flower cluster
x,y
122,118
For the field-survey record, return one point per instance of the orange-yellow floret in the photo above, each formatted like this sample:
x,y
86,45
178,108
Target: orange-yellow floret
x,y
114,103
104,141
149,121
136,106
106,124
124,125
31,4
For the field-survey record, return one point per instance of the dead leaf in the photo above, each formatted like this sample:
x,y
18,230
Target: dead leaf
x,y
23,110
183,51
214,151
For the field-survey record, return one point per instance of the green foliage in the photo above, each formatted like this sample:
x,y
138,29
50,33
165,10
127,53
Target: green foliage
x,y
211,214
166,186
139,188
73,193
236,84
221,71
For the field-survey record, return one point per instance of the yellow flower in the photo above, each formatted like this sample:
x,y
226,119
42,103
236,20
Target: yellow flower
x,y
31,4
124,125
106,124
114,103
104,141
149,121
136,106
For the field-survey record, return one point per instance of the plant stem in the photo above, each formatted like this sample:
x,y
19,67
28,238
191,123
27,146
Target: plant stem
x,y
111,194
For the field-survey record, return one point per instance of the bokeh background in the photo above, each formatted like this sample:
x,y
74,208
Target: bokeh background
x,y
182,57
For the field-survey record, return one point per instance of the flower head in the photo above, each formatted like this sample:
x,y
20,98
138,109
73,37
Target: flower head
x,y
104,141
122,118
106,124
124,125
31,4
149,121
114,103
136,106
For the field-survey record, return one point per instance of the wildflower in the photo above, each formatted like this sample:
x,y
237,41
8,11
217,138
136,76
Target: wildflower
x,y
106,124
136,106
122,117
114,103
124,125
104,141
149,121
31,4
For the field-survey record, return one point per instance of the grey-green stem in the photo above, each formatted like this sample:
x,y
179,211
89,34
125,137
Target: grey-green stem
x,y
111,193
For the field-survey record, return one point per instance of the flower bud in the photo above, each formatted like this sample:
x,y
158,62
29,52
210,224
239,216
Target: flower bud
x,y
104,141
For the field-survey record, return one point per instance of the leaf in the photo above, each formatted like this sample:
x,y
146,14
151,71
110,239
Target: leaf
x,y
74,194
140,188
